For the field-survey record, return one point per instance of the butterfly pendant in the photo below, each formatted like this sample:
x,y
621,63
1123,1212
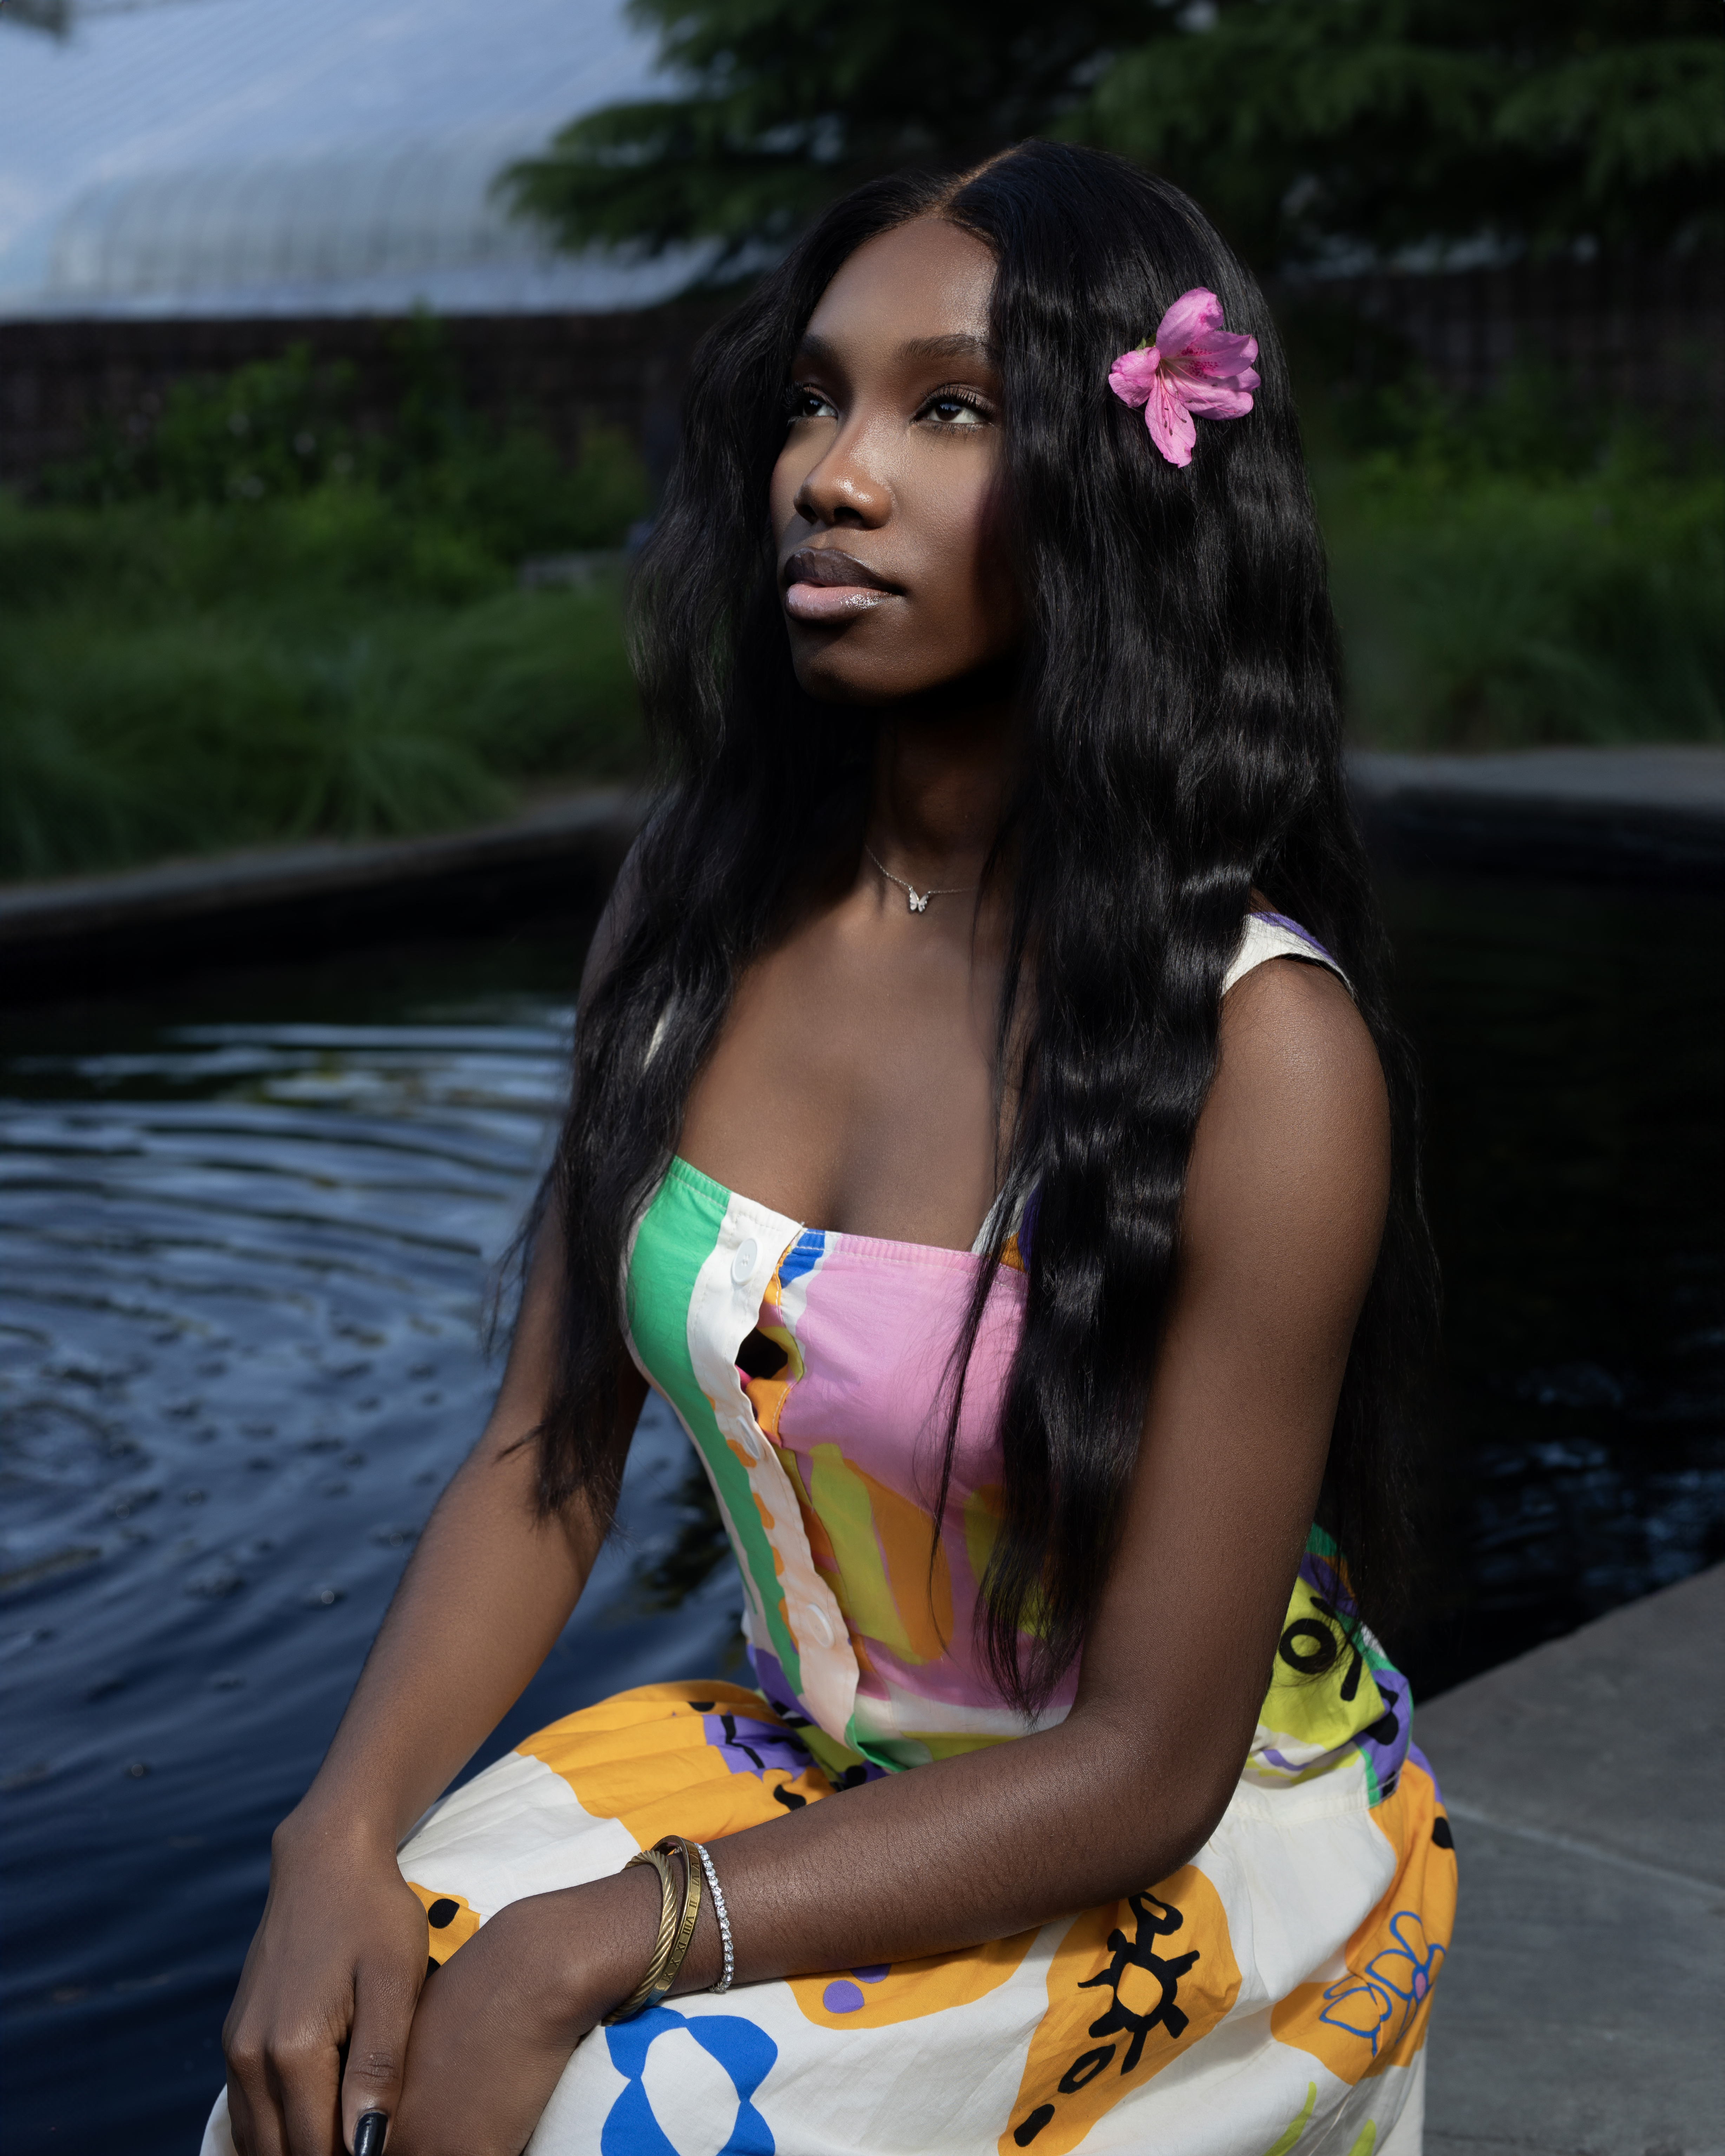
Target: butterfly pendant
x,y
917,900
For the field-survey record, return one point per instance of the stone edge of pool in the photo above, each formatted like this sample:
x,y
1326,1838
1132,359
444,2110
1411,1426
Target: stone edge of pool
x,y
88,934
1654,814
1646,815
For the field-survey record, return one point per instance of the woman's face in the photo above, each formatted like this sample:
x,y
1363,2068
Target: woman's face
x,y
892,572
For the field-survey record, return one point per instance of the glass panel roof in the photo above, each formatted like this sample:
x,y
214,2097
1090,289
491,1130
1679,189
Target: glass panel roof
x,y
219,156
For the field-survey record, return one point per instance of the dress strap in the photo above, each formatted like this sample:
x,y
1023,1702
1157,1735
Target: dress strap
x,y
1265,936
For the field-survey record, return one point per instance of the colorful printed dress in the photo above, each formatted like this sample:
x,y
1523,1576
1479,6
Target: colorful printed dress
x,y
1269,1996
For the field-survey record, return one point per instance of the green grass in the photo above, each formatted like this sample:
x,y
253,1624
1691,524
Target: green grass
x,y
181,679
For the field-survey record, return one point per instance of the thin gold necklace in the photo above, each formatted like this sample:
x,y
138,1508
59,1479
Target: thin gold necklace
x,y
917,900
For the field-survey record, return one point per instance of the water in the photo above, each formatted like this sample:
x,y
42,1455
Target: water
x,y
248,1229
1572,1045
248,1235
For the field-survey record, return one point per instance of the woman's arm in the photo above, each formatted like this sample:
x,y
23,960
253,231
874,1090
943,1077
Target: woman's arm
x,y
1285,1205
339,1958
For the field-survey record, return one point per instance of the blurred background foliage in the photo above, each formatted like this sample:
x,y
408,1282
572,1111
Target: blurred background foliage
x,y
269,617
267,622
1492,596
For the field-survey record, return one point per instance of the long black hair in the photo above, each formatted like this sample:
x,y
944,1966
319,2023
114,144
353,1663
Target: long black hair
x,y
1181,703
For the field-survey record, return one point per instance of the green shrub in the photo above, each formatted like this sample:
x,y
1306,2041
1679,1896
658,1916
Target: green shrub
x,y
278,431
174,681
1486,609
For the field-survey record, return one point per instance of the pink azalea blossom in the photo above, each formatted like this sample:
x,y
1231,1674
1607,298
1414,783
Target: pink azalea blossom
x,y
1195,366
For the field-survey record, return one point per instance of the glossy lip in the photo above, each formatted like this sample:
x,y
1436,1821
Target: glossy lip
x,y
821,583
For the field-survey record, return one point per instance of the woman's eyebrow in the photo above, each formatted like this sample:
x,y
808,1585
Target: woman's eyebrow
x,y
962,345
816,350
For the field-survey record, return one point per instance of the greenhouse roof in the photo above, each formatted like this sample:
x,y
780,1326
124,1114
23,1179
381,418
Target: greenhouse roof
x,y
237,156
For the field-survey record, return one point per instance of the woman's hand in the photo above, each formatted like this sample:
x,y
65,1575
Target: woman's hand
x,y
496,2024
335,1965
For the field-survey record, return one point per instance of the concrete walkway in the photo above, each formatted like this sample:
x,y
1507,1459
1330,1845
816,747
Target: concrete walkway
x,y
1582,2012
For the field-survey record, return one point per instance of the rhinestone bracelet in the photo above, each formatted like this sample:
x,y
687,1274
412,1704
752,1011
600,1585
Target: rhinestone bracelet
x,y
722,1914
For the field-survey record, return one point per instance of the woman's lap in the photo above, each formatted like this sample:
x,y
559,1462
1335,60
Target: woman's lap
x,y
1279,1982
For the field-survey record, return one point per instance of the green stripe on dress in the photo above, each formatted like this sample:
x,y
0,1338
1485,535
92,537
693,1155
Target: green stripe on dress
x,y
685,1222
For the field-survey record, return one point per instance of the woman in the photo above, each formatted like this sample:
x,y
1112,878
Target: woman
x,y
1019,1209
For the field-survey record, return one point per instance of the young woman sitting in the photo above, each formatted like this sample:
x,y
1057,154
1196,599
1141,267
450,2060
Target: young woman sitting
x,y
987,1135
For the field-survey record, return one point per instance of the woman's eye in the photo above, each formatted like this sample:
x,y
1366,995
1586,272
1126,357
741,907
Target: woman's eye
x,y
952,411
808,404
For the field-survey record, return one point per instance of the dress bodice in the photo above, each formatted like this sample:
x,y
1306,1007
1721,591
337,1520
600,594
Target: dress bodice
x,y
828,1472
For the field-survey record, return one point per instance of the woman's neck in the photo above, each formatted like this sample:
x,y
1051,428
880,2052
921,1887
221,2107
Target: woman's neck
x,y
940,786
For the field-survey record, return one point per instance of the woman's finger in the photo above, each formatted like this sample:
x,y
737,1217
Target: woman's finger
x,y
305,2073
385,1997
244,2121
252,2117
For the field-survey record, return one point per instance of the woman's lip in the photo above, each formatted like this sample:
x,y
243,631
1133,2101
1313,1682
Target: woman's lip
x,y
833,601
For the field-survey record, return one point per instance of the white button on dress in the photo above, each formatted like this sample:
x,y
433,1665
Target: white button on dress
x,y
744,1264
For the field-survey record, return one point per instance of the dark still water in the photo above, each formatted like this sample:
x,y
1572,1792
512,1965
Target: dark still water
x,y
249,1230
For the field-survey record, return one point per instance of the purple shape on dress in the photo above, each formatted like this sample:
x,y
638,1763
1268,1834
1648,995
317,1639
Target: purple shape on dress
x,y
775,1687
842,1997
1305,935
874,1974
752,1746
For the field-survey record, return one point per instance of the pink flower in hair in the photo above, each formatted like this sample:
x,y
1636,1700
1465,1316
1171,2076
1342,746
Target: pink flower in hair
x,y
1195,366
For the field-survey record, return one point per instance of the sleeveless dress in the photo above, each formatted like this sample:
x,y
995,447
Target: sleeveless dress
x,y
1271,1995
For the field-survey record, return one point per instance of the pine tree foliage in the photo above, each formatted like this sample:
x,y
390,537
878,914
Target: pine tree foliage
x,y
783,104
1308,128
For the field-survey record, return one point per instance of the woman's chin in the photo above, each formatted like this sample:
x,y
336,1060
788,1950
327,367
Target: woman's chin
x,y
832,675
829,680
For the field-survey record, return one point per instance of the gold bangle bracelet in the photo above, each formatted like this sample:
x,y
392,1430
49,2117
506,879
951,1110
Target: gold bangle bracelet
x,y
677,1927
693,1882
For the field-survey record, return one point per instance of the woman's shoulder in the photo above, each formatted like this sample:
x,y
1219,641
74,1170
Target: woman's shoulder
x,y
1299,1090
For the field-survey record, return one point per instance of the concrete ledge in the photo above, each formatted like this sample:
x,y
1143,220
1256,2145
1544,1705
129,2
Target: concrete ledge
x,y
1579,2014
84,934
1636,815
1615,815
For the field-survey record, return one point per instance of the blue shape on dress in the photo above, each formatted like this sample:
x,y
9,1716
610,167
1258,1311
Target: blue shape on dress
x,y
746,2052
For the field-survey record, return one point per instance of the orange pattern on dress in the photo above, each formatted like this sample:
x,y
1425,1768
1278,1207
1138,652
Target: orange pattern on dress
x,y
1134,1985
645,1759
450,1920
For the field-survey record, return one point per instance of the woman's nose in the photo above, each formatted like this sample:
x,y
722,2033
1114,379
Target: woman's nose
x,y
841,490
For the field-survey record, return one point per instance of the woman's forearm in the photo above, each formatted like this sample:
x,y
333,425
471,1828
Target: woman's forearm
x,y
963,1851
481,1603
479,1606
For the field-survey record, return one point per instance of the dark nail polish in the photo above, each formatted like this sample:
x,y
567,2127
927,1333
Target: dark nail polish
x,y
368,2134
